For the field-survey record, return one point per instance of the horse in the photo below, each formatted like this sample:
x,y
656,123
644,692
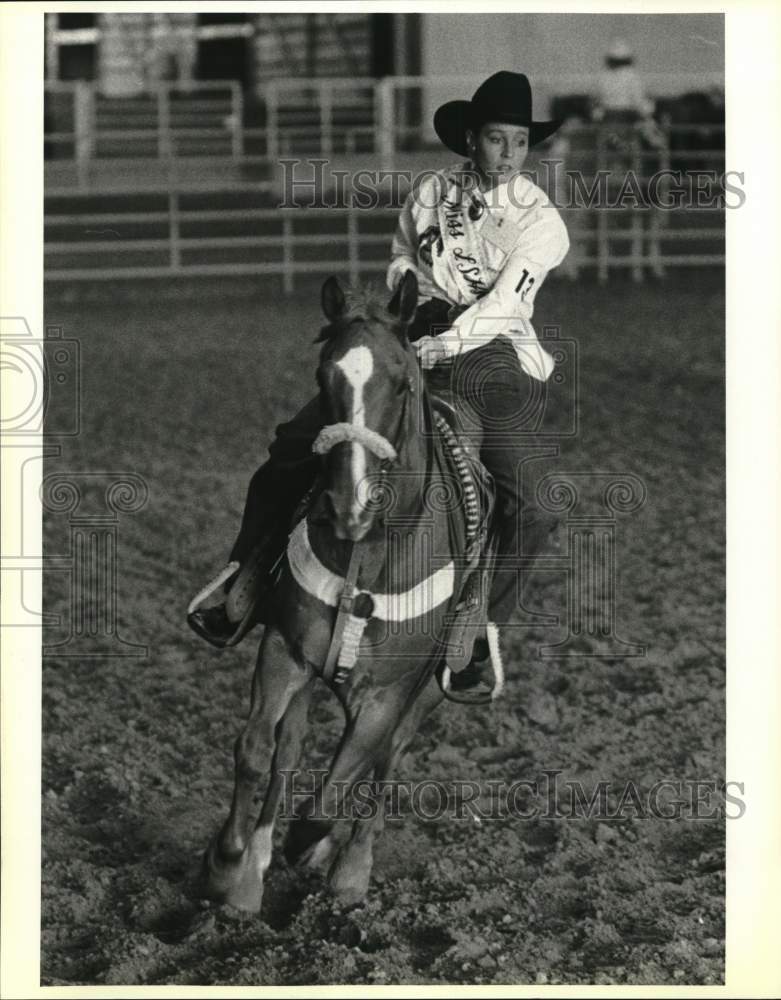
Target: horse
x,y
381,517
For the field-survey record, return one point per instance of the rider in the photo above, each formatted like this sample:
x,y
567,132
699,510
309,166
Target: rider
x,y
481,239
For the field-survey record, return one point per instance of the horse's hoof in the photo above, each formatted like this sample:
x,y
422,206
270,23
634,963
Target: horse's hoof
x,y
350,886
235,882
350,893
218,873
248,895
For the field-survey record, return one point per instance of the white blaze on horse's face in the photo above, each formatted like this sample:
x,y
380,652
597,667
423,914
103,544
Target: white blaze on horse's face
x,y
357,366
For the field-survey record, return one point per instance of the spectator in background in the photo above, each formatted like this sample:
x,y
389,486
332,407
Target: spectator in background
x,y
173,54
621,99
620,94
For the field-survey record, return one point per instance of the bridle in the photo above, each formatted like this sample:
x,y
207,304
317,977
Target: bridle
x,y
373,441
349,625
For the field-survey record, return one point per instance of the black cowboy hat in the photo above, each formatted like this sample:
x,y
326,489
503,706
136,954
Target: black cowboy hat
x,y
504,97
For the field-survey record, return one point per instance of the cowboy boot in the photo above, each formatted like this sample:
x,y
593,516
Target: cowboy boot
x,y
227,621
236,600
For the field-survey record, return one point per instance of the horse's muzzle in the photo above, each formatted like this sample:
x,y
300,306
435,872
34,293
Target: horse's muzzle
x,y
352,529
348,526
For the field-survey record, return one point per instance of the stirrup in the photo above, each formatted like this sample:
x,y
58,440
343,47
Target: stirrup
x,y
478,696
222,577
214,623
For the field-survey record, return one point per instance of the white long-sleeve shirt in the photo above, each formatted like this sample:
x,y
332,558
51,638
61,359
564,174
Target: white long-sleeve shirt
x,y
487,251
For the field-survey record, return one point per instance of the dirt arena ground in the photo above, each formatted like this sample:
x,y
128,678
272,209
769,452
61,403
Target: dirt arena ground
x,y
184,390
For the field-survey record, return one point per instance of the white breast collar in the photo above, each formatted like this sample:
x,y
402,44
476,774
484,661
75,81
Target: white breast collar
x,y
316,579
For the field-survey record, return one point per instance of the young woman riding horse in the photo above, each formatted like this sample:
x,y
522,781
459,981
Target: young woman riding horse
x,y
480,239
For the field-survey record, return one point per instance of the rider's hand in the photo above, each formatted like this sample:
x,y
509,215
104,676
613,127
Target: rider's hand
x,y
432,350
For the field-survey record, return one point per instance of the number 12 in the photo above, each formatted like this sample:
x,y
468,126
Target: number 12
x,y
521,283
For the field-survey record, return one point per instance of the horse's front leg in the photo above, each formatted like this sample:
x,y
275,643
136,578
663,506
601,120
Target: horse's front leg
x,y
235,863
313,837
351,871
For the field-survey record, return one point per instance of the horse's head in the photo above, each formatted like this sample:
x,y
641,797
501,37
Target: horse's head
x,y
367,373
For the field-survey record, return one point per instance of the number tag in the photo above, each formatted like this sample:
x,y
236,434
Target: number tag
x,y
525,284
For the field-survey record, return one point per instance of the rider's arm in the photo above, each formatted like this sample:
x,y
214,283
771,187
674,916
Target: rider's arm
x,y
542,246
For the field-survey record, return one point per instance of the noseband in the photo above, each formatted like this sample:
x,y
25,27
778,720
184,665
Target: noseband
x,y
373,441
335,434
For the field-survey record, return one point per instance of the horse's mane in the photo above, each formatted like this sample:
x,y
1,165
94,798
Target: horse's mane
x,y
367,301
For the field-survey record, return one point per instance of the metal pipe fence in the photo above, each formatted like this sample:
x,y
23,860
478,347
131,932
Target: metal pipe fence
x,y
321,116
172,121
174,234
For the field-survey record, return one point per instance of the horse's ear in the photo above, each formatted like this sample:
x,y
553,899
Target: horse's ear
x,y
332,299
405,298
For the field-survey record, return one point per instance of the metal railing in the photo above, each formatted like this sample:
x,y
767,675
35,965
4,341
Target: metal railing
x,y
201,231
321,116
280,248
322,95
160,112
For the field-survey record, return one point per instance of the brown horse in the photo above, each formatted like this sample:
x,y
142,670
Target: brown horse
x,y
384,492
